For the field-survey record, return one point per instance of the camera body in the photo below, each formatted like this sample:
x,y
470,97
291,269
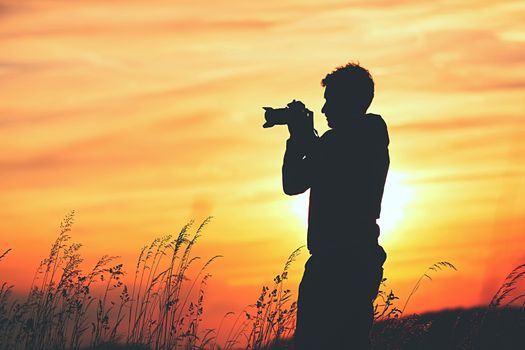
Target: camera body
x,y
286,115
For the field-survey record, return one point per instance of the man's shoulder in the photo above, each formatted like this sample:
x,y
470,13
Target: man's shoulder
x,y
376,128
375,121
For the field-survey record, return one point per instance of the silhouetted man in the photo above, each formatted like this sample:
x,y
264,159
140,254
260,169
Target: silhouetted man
x,y
345,170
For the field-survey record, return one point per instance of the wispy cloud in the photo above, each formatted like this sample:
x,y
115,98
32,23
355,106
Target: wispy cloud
x,y
460,123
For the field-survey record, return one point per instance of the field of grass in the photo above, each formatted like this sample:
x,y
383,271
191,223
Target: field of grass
x,y
162,307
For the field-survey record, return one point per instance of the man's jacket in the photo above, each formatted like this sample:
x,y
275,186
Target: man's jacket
x,y
345,170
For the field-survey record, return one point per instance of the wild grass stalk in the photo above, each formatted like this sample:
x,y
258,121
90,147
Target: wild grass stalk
x,y
5,309
396,329
163,308
426,275
503,298
384,307
273,317
54,313
4,254
163,314
508,286
163,311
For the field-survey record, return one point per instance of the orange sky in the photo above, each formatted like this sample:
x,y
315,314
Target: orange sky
x,y
142,115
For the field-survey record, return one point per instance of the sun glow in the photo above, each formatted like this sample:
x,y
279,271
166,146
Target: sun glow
x,y
395,198
398,194
300,207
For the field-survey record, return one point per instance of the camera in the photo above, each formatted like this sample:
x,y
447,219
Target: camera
x,y
284,116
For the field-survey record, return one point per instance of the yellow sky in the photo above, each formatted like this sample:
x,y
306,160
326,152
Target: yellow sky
x,y
143,115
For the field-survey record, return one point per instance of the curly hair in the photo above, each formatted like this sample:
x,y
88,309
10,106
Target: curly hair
x,y
354,82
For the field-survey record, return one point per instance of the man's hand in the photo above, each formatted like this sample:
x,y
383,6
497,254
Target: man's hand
x,y
301,124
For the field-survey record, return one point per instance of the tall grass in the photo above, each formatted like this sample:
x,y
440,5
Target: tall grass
x,y
506,289
506,296
68,309
55,313
270,321
162,313
398,328
161,306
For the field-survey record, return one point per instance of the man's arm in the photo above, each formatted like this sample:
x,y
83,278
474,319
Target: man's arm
x,y
381,161
297,165
381,172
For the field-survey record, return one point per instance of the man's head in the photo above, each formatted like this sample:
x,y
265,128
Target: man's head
x,y
349,90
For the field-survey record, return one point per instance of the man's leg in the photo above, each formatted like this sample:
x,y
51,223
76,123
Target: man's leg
x,y
314,327
362,312
355,314
335,309
304,338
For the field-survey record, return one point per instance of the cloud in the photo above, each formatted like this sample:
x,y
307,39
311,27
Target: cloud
x,y
89,19
259,197
191,121
465,177
18,67
202,207
119,104
139,28
4,9
458,123
117,153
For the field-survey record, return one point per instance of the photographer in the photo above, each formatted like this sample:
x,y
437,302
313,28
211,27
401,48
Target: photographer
x,y
345,170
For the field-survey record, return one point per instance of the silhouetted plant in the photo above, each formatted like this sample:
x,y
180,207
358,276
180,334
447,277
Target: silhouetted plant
x,y
384,307
161,312
508,286
163,308
397,330
434,268
271,319
55,312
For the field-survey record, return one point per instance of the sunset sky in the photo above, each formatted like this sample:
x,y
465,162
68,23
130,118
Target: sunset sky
x,y
144,115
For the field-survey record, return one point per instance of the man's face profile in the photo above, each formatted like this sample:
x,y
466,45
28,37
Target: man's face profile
x,y
335,108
